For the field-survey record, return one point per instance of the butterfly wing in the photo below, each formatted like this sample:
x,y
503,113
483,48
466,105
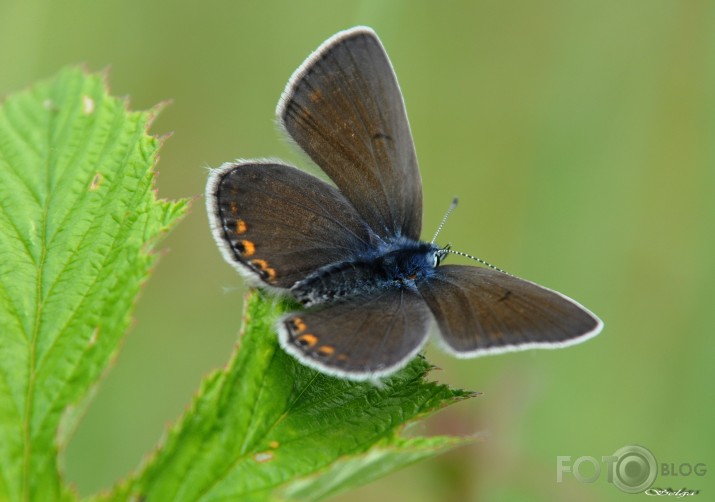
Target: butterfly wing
x,y
278,224
360,338
344,108
481,311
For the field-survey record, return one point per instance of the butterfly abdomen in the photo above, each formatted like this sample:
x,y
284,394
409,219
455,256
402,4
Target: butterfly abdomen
x,y
336,281
396,268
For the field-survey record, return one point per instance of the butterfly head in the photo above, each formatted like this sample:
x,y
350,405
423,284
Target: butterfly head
x,y
407,261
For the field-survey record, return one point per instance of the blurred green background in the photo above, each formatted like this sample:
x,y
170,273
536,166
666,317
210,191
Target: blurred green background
x,y
580,137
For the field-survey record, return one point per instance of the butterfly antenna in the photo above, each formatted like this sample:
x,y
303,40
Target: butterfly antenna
x,y
455,201
459,253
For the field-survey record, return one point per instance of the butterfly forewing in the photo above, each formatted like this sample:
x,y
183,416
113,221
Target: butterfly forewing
x,y
480,311
364,337
279,224
344,108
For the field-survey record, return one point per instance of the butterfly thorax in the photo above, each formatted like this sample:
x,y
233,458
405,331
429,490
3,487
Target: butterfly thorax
x,y
398,265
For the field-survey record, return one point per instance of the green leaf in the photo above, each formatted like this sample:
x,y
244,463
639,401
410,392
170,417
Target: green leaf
x,y
266,421
78,219
357,470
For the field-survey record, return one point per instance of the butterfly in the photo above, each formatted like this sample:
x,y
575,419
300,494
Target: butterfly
x,y
351,252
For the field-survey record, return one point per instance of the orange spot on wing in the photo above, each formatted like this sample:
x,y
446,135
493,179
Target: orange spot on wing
x,y
307,340
326,350
240,224
262,265
248,248
298,324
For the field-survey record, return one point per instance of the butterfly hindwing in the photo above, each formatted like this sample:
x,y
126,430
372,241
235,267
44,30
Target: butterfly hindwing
x,y
344,108
279,224
481,311
364,337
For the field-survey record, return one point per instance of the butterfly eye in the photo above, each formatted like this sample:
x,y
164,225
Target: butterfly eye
x,y
439,256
